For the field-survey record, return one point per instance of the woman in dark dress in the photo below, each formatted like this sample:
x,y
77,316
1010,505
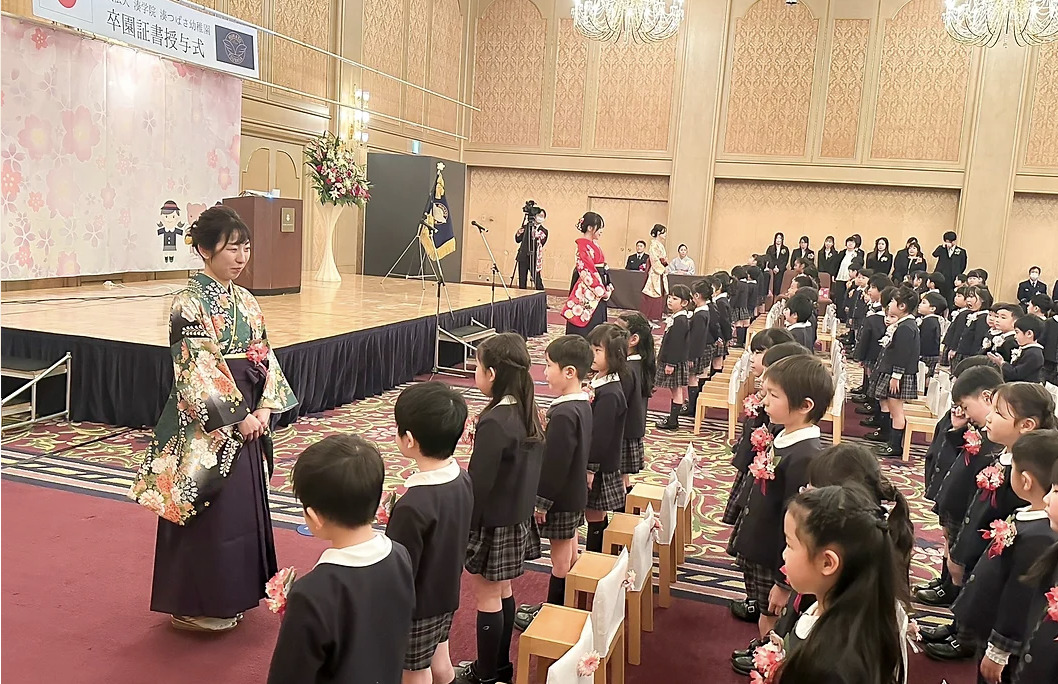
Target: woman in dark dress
x,y
907,261
803,251
590,285
880,260
829,259
778,261
206,472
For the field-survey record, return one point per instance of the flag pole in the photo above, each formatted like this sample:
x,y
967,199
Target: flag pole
x,y
417,239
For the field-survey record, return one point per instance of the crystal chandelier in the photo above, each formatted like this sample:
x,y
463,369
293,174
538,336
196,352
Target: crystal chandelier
x,y
984,22
639,21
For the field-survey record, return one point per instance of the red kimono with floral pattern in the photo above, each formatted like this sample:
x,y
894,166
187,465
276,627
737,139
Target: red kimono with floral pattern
x,y
589,289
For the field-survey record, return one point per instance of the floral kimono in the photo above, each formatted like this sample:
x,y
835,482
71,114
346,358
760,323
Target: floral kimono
x,y
196,440
655,287
589,289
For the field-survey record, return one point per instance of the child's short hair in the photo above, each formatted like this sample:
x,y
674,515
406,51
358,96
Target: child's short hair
x,y
937,278
434,414
970,362
982,293
340,478
937,301
703,288
803,377
950,236
571,351
804,280
739,272
771,337
879,281
962,291
867,272
978,273
975,381
1030,324
754,272
887,296
613,339
856,266
784,349
1015,309
801,306
1042,302
1036,453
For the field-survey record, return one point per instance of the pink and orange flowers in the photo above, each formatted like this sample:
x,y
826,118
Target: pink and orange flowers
x,y
385,509
766,661
277,589
1002,534
752,405
972,441
257,352
988,481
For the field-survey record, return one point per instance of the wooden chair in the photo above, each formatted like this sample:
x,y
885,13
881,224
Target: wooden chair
x,y
664,499
557,629
620,534
684,495
564,670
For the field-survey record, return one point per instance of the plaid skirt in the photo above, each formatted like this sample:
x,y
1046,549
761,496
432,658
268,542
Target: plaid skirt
x,y
679,377
952,527
759,579
560,525
607,492
426,634
721,350
702,364
931,364
907,391
499,553
735,504
632,453
741,313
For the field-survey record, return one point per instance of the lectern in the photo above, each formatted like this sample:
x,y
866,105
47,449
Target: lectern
x,y
275,233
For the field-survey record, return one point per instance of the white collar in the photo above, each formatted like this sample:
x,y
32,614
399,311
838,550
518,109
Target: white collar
x,y
681,312
605,380
703,307
576,396
507,401
443,475
807,621
722,295
1026,514
932,315
359,555
933,290
1005,335
1006,458
786,439
903,318
634,357
802,324
1032,344
876,312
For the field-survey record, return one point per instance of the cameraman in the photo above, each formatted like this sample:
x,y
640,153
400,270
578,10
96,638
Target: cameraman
x,y
531,252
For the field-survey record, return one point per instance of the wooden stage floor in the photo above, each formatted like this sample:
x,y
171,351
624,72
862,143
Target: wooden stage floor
x,y
139,312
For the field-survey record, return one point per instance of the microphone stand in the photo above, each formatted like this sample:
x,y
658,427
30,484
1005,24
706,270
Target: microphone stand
x,y
493,276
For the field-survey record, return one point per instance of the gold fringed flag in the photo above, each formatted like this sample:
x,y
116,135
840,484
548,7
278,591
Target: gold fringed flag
x,y
438,218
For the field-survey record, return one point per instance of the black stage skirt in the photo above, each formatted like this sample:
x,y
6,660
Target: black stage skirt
x,y
217,564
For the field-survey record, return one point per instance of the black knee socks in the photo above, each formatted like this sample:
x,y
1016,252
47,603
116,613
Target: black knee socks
x,y
490,636
504,657
674,413
692,396
594,541
556,590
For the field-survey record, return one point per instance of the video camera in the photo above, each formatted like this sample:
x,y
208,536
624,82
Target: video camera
x,y
531,210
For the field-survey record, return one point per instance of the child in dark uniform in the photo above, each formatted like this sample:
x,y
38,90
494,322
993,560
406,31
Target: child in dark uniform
x,y
639,387
1026,362
975,331
868,350
672,355
741,312
722,306
754,300
1039,659
896,379
701,343
563,494
797,392
931,310
348,618
1004,343
799,309
992,606
432,521
606,490
959,314
505,470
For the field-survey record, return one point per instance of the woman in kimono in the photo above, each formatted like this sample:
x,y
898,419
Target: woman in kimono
x,y
590,287
207,469
653,304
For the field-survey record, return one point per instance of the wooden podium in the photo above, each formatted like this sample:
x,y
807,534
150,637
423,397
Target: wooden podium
x,y
275,234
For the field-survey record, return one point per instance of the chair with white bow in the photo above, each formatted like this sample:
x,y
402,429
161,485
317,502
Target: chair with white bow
x,y
580,658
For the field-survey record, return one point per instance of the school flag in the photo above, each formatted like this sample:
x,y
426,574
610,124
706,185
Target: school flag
x,y
443,241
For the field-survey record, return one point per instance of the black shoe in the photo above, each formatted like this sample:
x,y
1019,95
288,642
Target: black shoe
x,y
865,410
889,451
526,614
952,649
687,410
934,583
748,651
858,399
942,596
743,665
876,436
666,425
465,674
870,421
936,635
745,610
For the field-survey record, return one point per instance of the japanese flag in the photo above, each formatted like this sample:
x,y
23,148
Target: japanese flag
x,y
63,10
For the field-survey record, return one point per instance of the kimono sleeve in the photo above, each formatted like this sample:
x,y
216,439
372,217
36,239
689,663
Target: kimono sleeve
x,y
278,395
303,643
588,291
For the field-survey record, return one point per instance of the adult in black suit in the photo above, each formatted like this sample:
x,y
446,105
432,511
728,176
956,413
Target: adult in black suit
x,y
640,260
1030,287
852,255
908,260
828,259
529,254
778,256
880,260
803,251
951,258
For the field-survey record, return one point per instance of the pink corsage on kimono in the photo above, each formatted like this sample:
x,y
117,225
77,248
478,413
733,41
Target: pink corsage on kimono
x,y
988,481
385,508
752,405
1001,533
277,588
766,661
257,352
971,445
589,664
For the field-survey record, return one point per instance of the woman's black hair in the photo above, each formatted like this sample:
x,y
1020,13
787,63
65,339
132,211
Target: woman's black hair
x,y
682,246
1028,400
833,242
857,635
590,220
682,292
637,324
770,337
657,230
847,463
777,237
886,245
613,339
914,243
216,228
855,237
507,355
804,238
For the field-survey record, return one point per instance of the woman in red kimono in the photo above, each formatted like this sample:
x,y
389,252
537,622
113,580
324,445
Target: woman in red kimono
x,y
590,287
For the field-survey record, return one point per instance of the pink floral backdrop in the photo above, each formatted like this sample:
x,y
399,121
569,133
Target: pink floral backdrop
x,y
96,139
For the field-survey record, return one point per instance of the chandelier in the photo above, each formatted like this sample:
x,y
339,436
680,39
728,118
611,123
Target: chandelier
x,y
984,22
639,21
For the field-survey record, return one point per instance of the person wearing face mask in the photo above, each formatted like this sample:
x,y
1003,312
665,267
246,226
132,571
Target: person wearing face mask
x,y
1030,287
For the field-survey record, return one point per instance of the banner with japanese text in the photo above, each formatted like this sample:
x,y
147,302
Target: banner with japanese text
x,y
164,27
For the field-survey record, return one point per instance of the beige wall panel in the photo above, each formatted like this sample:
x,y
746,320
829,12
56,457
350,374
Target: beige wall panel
x,y
418,37
292,65
257,171
495,198
570,75
508,74
1041,149
288,175
383,48
747,214
923,85
771,75
635,92
250,10
615,235
446,46
848,62
1032,240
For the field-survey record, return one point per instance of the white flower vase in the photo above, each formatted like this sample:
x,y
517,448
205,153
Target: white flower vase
x,y
328,218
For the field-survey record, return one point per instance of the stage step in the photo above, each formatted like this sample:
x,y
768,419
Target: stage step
x,y
25,392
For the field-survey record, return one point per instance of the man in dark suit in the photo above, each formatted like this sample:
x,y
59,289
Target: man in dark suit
x,y
640,260
1030,287
529,254
951,258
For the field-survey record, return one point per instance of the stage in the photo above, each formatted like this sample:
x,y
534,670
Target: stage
x,y
336,342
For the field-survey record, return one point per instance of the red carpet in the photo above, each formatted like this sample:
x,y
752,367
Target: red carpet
x,y
76,585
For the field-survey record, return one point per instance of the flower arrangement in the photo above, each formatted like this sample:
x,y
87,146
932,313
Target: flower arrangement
x,y
766,661
277,589
589,664
761,439
988,481
971,446
762,470
752,405
1001,533
385,508
335,174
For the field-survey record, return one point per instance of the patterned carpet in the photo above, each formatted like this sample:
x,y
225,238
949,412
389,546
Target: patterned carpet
x,y
100,460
